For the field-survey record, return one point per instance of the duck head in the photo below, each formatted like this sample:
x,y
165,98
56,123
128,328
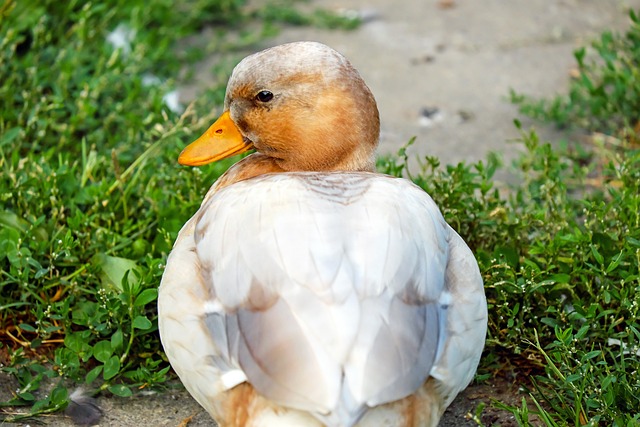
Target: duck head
x,y
302,105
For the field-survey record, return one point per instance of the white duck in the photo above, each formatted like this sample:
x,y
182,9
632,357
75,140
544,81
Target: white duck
x,y
309,290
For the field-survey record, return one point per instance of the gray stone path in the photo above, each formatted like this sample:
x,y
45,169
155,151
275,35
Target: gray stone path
x,y
461,61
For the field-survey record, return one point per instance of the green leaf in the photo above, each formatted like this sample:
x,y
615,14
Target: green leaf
x,y
579,55
40,405
9,136
117,340
510,254
102,351
41,273
146,297
141,322
560,278
120,390
113,270
59,396
93,374
29,397
111,368
77,341
610,379
26,327
573,377
599,258
591,355
11,220
614,263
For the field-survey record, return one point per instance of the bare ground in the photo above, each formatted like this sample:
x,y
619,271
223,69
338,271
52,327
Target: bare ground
x,y
176,408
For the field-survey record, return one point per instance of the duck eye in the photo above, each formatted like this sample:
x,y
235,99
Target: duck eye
x,y
264,96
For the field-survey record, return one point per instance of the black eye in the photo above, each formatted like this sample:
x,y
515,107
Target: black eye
x,y
264,96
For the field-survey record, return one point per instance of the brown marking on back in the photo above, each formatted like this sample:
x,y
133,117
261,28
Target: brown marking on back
x,y
428,405
243,405
410,411
423,408
236,405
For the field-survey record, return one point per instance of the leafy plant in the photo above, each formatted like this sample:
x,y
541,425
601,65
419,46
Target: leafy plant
x,y
287,12
584,254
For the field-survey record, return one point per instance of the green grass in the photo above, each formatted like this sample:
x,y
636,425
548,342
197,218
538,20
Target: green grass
x,y
92,199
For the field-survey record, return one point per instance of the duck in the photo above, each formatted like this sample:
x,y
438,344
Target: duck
x,y
308,289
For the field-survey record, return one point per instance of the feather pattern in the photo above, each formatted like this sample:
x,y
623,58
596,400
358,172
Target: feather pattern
x,y
330,293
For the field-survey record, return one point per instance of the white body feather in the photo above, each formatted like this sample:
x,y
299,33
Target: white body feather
x,y
330,293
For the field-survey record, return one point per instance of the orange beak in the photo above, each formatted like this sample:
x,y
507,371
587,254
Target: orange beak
x,y
221,140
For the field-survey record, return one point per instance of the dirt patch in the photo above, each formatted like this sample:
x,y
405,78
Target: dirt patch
x,y
175,407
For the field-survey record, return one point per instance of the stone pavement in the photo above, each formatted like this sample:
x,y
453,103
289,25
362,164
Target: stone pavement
x,y
442,70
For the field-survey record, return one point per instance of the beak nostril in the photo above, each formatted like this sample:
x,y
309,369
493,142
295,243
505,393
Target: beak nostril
x,y
222,139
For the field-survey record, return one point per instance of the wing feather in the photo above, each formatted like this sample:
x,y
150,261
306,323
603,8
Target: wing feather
x,y
282,363
329,289
464,323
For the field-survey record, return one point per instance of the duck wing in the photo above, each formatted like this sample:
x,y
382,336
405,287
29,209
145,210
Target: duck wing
x,y
331,292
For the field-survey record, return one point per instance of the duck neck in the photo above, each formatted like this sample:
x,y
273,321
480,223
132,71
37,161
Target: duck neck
x,y
249,167
259,164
